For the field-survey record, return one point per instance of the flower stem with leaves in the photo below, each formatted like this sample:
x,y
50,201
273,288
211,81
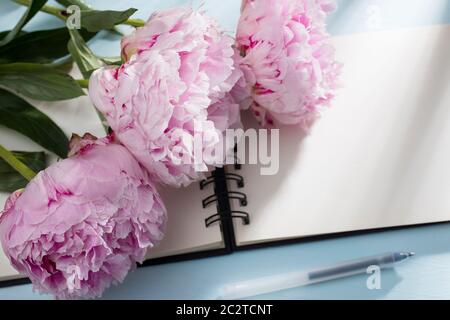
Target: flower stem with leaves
x,y
61,13
18,165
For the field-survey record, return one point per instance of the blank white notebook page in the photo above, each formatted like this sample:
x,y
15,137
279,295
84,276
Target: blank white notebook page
x,y
186,231
379,157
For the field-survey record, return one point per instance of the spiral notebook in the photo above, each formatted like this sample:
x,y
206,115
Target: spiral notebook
x,y
377,159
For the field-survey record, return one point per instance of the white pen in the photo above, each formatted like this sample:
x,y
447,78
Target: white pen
x,y
279,282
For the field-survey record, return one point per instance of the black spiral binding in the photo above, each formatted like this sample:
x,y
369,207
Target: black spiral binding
x,y
237,165
222,197
228,176
234,214
242,197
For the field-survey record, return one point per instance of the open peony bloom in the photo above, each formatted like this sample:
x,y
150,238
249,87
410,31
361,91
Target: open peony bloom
x,y
81,224
287,61
174,85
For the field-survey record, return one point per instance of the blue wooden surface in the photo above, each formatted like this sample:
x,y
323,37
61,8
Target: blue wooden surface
x,y
425,277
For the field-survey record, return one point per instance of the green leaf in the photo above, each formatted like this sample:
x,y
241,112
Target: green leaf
x,y
86,60
34,8
5,33
39,82
40,46
64,65
96,20
19,115
10,179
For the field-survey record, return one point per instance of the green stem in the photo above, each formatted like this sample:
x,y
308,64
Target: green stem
x,y
135,22
81,4
84,83
18,165
59,12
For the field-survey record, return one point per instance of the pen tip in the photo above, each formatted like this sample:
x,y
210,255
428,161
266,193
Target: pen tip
x,y
411,254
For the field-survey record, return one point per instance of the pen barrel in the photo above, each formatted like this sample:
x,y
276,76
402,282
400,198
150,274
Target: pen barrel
x,y
274,283
352,267
263,285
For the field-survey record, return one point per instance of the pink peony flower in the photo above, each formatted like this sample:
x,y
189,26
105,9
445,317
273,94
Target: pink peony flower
x,y
174,85
288,62
81,224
